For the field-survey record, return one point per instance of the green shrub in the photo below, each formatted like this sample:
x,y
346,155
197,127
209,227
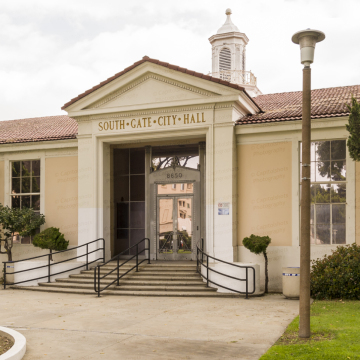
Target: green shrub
x,y
337,275
258,245
24,222
51,239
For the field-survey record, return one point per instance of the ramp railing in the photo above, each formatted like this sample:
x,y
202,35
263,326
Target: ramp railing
x,y
202,261
51,264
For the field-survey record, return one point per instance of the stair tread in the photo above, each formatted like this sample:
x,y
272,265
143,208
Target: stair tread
x,y
130,293
126,287
149,282
143,277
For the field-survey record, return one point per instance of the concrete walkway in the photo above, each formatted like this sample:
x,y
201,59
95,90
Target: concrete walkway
x,y
72,326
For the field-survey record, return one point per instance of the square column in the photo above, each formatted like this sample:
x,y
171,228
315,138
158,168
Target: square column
x,y
93,194
224,191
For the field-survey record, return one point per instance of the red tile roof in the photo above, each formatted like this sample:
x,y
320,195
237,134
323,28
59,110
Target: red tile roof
x,y
330,102
154,61
38,129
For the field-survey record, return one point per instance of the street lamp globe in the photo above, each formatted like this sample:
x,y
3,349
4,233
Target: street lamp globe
x,y
307,40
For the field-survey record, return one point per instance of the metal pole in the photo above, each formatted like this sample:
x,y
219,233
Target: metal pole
x,y
247,287
95,279
98,280
5,275
202,249
197,259
103,249
118,271
207,271
137,257
304,309
48,268
87,260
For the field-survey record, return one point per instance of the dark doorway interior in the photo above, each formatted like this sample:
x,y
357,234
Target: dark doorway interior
x,y
129,188
129,198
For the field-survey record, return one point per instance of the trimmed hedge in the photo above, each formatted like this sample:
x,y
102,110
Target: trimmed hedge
x,y
337,276
51,239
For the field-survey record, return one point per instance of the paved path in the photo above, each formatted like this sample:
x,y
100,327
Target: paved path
x,y
71,326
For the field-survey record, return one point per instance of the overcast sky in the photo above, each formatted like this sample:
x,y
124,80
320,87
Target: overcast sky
x,y
53,50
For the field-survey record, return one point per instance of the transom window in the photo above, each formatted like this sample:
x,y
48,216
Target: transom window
x,y
328,192
25,188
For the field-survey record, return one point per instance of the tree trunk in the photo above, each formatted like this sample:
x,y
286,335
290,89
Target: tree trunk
x,y
51,259
7,251
266,273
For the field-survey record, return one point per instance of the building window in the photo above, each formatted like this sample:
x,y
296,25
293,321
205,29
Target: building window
x,y
182,187
328,192
25,188
129,199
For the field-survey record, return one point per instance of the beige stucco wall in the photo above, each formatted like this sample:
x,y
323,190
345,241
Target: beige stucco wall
x,y
2,185
357,202
61,195
264,188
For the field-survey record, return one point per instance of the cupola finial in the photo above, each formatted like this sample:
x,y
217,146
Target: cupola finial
x,y
228,25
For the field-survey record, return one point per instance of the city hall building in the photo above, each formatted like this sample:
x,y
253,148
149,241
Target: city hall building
x,y
167,153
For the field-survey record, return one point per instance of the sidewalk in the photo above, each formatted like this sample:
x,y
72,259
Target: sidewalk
x,y
72,326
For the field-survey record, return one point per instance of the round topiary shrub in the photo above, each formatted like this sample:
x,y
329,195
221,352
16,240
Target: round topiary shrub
x,y
51,239
337,276
258,245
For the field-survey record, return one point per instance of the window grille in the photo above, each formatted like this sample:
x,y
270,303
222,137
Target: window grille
x,y
25,189
328,192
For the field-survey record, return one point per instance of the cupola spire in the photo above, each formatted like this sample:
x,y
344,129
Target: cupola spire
x,y
228,25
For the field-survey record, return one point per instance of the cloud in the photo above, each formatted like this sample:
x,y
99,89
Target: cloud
x,y
54,50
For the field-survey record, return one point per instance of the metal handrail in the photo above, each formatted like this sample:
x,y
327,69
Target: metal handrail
x,y
49,264
97,277
200,262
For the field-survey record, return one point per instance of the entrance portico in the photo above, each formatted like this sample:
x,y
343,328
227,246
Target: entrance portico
x,y
154,105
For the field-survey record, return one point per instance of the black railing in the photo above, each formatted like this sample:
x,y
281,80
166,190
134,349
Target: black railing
x,y
49,264
200,262
98,278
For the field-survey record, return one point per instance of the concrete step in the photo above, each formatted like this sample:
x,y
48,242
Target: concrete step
x,y
129,293
144,272
157,279
113,266
199,282
126,287
178,264
150,268
144,277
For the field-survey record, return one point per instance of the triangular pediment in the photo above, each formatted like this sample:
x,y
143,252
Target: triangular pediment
x,y
150,89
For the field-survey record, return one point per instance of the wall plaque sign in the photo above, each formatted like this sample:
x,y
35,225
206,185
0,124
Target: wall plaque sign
x,y
223,208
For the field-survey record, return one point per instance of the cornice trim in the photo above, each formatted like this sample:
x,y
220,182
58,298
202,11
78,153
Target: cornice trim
x,y
122,115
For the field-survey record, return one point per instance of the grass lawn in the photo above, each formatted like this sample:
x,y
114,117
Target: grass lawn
x,y
335,329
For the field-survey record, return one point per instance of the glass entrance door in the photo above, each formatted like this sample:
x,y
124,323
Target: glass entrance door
x,y
175,226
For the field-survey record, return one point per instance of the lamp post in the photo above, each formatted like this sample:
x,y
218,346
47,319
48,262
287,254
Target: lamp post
x,y
307,40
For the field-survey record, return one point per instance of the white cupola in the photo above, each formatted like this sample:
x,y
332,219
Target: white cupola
x,y
229,56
